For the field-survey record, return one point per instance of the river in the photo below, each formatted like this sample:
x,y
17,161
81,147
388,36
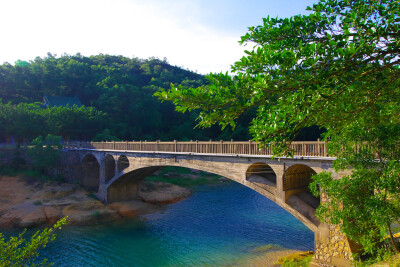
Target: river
x,y
216,226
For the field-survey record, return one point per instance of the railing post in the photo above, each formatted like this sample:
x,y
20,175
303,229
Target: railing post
x,y
303,150
197,146
113,145
175,146
210,147
157,145
126,145
140,146
249,147
221,146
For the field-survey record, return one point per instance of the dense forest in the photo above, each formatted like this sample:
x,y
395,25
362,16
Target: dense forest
x,y
120,90
117,94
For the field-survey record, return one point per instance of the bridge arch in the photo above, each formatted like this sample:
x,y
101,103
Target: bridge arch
x,y
109,162
296,181
261,173
122,163
90,172
125,187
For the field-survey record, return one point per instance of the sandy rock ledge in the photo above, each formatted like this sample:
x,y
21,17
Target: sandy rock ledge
x,y
27,205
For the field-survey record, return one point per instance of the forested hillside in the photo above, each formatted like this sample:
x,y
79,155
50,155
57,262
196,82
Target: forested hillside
x,y
121,87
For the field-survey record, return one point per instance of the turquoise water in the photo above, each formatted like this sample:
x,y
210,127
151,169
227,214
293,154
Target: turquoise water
x,y
215,226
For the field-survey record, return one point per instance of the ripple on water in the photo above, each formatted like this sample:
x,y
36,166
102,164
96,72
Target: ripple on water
x,y
214,226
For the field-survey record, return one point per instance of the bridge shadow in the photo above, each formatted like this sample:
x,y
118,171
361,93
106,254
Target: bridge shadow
x,y
296,181
262,175
90,178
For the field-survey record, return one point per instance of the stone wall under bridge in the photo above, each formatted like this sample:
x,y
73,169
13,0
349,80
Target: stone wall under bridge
x,y
115,176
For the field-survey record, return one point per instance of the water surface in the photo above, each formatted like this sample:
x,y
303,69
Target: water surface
x,y
215,226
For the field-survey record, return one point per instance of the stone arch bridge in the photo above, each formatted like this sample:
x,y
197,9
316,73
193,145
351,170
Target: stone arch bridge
x,y
114,170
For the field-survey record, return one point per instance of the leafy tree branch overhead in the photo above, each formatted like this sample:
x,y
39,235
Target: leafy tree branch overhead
x,y
326,69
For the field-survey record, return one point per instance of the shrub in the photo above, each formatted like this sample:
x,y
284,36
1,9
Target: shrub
x,y
45,152
17,251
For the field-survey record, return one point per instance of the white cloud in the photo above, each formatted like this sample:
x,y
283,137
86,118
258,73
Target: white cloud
x,y
130,28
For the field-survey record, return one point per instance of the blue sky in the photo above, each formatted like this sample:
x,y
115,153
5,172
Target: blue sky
x,y
200,35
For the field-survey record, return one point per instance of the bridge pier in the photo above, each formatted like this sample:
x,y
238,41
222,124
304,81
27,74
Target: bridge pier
x,y
102,194
332,247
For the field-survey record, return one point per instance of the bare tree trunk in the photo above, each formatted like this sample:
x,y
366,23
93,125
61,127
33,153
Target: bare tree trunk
x,y
391,238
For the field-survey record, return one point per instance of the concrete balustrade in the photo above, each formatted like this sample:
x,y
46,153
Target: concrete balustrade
x,y
300,148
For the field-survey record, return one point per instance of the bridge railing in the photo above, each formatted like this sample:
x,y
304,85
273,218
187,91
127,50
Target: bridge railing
x,y
300,148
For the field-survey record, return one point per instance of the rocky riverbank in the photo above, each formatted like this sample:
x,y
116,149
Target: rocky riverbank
x,y
25,203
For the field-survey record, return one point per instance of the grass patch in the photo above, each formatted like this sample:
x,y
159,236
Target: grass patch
x,y
266,248
177,170
93,196
36,175
8,171
28,174
183,181
37,203
176,176
96,214
299,259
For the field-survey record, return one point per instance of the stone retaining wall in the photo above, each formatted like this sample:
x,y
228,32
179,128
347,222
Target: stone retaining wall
x,y
69,166
332,247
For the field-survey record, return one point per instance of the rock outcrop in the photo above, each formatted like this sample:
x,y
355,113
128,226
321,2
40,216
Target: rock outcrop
x,y
24,204
162,193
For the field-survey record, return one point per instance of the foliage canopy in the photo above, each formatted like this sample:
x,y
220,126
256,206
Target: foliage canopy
x,y
120,87
326,68
27,121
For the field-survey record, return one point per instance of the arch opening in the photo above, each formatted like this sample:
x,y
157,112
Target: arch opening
x,y
90,172
109,162
296,180
123,163
261,173
126,187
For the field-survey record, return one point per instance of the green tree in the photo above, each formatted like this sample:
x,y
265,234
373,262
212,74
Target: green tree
x,y
336,68
17,251
27,121
365,203
105,136
45,152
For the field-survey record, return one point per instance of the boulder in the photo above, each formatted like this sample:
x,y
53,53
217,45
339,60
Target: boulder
x,y
132,208
162,193
34,218
52,213
24,215
89,212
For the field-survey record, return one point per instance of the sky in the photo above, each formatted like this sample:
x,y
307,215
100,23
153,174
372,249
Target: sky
x,y
199,35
